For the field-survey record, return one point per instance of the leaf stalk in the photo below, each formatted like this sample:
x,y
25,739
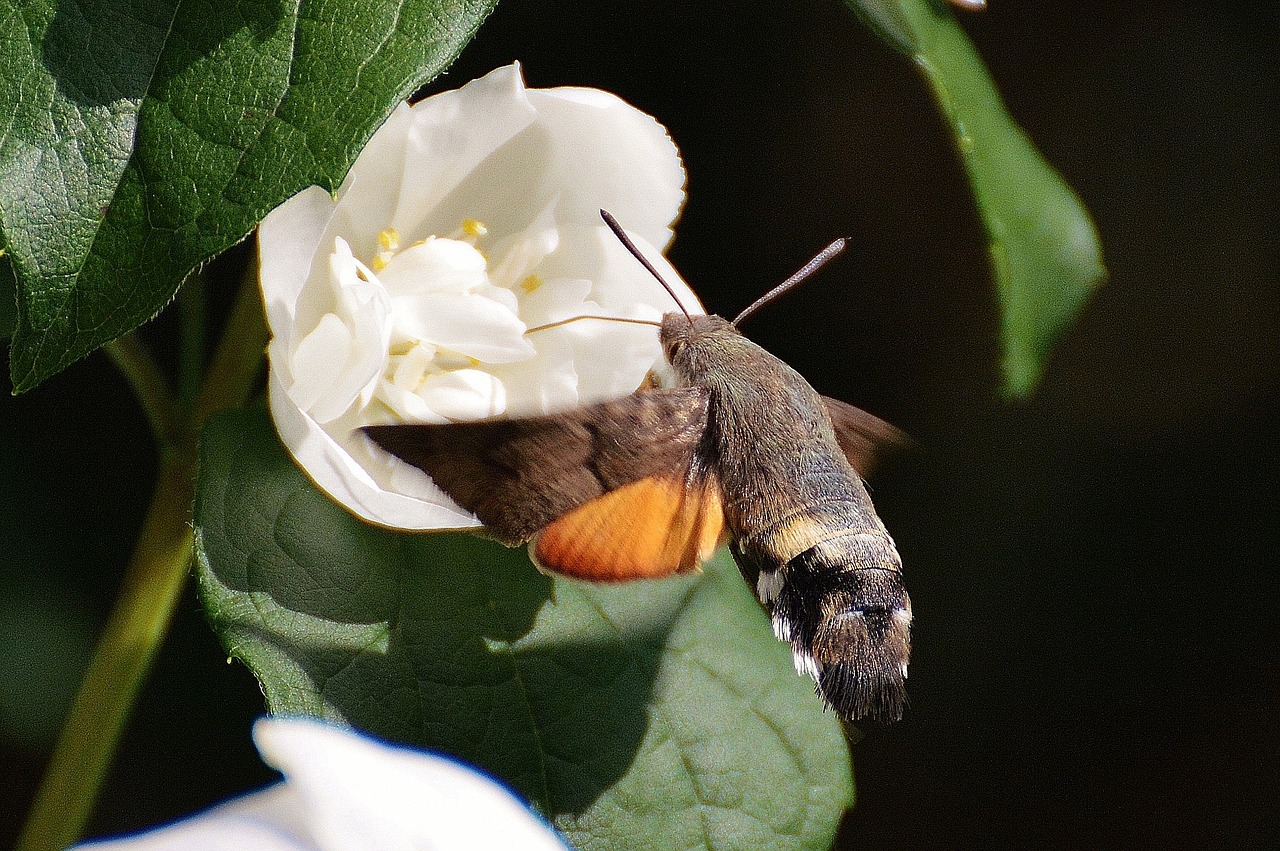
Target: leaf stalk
x,y
156,575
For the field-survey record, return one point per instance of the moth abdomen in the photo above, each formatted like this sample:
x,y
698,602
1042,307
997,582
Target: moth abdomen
x,y
844,608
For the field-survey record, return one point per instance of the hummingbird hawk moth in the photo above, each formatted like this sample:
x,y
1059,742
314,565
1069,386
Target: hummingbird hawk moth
x,y
743,449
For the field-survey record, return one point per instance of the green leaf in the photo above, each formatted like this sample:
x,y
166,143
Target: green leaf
x,y
1044,247
650,715
141,139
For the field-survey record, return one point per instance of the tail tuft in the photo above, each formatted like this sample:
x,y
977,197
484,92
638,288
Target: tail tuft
x,y
849,625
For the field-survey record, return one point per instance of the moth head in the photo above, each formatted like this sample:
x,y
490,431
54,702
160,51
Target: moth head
x,y
679,330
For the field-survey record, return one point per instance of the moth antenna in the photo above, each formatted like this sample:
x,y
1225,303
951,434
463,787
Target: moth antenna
x,y
819,260
635,252
628,320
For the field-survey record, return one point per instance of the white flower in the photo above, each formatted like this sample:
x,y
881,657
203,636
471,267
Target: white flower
x,y
468,219
345,792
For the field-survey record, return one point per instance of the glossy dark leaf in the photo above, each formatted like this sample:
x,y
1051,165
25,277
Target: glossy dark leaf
x,y
141,139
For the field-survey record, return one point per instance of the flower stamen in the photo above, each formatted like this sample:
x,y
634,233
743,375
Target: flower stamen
x,y
470,231
389,239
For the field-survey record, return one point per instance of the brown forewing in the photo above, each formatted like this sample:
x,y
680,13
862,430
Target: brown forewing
x,y
518,475
864,438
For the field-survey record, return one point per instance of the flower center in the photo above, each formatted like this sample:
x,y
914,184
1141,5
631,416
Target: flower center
x,y
451,325
469,232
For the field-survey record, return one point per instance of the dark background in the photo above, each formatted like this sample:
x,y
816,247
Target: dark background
x,y
1093,572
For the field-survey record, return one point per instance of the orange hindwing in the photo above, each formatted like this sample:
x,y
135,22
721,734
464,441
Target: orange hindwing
x,y
649,528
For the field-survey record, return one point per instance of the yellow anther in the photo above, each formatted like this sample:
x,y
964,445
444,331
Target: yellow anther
x,y
389,239
379,263
531,283
474,227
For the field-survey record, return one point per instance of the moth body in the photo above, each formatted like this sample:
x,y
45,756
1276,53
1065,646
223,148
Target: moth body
x,y
743,450
802,527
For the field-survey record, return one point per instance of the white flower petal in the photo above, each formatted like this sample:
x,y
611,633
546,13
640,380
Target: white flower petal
x,y
408,404
361,477
273,819
464,394
472,325
434,266
345,792
586,129
362,794
451,136
502,296
409,369
633,353
544,384
619,282
554,300
294,231
523,252
328,345
348,345
370,194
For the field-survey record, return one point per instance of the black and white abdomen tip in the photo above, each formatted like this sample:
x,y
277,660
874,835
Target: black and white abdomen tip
x,y
844,609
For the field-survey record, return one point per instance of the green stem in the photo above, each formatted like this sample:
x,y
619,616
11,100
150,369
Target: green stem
x,y
133,635
149,385
191,315
237,362
154,580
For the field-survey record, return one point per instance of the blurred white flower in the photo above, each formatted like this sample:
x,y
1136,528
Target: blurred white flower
x,y
346,792
468,219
